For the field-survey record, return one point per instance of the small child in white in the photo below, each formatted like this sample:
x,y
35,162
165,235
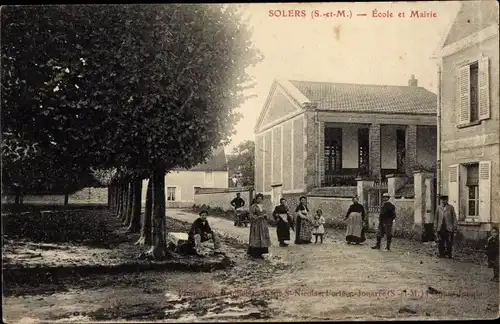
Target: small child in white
x,y
318,227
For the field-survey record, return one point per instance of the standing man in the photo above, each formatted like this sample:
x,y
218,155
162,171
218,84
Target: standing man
x,y
445,223
385,222
237,202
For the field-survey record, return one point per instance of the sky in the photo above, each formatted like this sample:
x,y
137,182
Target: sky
x,y
362,49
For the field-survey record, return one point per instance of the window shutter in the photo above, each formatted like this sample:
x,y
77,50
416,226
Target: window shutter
x,y
484,89
177,193
453,187
464,95
485,191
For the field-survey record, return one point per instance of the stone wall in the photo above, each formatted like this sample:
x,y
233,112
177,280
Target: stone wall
x,y
334,209
220,198
404,218
86,195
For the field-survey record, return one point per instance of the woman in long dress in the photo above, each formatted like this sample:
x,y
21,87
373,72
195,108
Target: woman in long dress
x,y
259,240
355,220
304,223
284,222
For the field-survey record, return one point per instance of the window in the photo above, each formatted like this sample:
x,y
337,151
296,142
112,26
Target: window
x,y
333,150
473,84
400,149
363,150
195,189
469,190
171,193
472,185
474,73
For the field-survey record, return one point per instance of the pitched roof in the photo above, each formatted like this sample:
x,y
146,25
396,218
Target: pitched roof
x,y
368,98
217,162
472,17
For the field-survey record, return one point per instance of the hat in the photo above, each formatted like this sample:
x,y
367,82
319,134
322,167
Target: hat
x,y
203,212
386,195
443,197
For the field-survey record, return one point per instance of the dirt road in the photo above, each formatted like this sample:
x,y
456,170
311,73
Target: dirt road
x,y
340,281
332,281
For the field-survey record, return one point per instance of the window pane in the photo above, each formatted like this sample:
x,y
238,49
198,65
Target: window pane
x,y
472,192
472,208
473,175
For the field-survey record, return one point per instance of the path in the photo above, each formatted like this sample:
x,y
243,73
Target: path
x,y
359,283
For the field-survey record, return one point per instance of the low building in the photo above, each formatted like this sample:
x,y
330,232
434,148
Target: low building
x,y
181,184
318,134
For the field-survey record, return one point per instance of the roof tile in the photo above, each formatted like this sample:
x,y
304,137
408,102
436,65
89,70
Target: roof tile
x,y
368,98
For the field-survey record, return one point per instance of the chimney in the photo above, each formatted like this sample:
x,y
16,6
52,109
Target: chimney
x,y
413,82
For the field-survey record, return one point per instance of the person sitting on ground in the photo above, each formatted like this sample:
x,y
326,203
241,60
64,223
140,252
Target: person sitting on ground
x,y
492,252
201,232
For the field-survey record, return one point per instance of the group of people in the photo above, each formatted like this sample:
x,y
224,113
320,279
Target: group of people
x,y
306,226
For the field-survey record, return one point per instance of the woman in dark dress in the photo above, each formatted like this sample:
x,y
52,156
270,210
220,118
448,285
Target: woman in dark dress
x,y
284,222
355,223
259,240
304,223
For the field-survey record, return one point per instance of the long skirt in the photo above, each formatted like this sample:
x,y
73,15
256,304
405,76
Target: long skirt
x,y
354,233
259,240
303,232
283,229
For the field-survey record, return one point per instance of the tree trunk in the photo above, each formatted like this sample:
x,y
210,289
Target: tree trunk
x,y
158,250
146,218
130,201
135,219
126,194
109,197
66,199
121,201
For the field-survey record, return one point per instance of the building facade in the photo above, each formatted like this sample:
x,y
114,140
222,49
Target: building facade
x,y
316,134
469,117
181,184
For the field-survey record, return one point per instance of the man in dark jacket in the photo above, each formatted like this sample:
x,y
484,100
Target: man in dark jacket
x,y
385,222
445,225
201,232
237,202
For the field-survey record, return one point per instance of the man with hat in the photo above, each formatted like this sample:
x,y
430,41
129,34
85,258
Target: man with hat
x,y
385,222
445,223
201,232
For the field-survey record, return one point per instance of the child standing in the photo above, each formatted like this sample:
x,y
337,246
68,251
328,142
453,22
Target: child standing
x,y
492,252
318,228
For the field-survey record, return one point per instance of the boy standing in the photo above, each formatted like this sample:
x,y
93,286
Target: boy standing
x,y
492,252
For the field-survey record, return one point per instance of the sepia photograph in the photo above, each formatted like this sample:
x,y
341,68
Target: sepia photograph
x,y
250,162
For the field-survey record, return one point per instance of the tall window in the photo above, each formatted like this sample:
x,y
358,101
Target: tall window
x,y
171,194
363,150
400,149
474,86
473,102
473,190
333,150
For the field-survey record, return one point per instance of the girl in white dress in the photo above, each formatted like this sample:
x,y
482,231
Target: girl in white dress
x,y
318,227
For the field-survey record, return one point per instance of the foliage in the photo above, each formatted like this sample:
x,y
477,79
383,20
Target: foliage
x,y
139,86
242,161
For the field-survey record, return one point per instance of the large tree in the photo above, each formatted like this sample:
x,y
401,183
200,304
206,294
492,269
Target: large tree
x,y
241,162
144,87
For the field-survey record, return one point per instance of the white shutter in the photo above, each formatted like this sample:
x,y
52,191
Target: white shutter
x,y
484,89
463,110
454,187
485,191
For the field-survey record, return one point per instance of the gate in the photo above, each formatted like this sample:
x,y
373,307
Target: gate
x,y
374,204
